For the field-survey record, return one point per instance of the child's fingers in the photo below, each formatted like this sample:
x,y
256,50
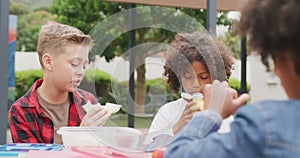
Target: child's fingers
x,y
100,121
195,108
226,83
216,82
99,114
189,104
187,109
94,110
97,119
241,100
231,93
189,117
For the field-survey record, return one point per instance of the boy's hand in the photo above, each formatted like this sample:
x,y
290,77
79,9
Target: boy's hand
x,y
186,116
222,99
95,116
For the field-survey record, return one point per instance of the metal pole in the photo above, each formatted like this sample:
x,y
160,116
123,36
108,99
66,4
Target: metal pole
x,y
243,65
211,17
131,102
4,16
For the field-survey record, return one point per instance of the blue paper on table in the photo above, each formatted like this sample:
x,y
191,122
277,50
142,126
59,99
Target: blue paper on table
x,y
14,149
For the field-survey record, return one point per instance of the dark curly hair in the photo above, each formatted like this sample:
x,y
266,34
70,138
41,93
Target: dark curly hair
x,y
273,27
185,49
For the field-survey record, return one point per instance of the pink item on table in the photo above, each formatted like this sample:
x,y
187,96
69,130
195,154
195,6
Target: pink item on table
x,y
108,152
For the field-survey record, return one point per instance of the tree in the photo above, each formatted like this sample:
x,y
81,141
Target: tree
x,y
86,14
29,23
234,44
33,4
28,28
18,9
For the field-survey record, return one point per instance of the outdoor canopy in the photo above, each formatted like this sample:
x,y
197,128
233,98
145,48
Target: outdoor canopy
x,y
224,5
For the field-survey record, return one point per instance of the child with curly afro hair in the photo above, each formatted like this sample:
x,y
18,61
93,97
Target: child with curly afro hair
x,y
194,60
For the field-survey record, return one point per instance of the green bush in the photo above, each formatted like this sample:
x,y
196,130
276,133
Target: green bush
x,y
100,84
95,81
236,84
159,86
25,79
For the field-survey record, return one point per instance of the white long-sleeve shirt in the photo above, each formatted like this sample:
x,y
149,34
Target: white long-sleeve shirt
x,y
168,115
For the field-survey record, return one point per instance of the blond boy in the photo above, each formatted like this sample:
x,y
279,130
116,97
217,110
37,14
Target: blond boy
x,y
55,100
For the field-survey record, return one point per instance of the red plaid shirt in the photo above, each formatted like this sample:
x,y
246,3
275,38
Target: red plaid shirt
x,y
29,123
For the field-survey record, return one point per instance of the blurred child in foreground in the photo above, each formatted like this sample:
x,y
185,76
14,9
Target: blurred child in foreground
x,y
263,129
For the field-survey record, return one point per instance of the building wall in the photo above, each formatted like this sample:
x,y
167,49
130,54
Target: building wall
x,y
264,85
26,61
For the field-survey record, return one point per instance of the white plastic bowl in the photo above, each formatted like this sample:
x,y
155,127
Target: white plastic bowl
x,y
119,137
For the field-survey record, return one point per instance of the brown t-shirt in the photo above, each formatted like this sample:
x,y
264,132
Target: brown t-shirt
x,y
58,113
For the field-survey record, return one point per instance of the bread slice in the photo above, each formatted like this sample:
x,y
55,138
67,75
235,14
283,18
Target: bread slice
x,y
112,108
89,106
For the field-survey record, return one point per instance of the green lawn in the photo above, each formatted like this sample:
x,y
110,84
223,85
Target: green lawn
x,y
122,120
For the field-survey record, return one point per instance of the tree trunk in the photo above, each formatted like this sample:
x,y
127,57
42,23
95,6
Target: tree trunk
x,y
140,89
